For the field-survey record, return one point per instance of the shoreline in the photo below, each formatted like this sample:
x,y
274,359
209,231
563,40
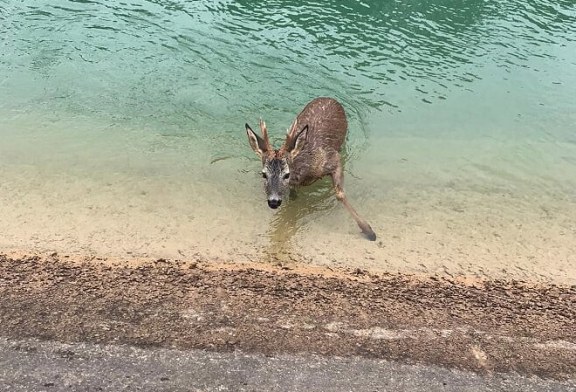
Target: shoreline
x,y
431,231
451,215
277,266
484,326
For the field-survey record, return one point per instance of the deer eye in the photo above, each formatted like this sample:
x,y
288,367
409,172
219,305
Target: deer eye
x,y
286,176
264,175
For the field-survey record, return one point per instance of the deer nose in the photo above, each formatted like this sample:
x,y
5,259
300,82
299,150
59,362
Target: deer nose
x,y
274,203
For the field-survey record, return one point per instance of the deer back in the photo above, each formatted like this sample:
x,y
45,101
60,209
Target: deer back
x,y
326,124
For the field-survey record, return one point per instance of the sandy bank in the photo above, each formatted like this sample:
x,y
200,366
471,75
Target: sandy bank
x,y
485,326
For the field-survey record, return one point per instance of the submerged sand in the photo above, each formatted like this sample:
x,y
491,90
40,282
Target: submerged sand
x,y
431,231
475,208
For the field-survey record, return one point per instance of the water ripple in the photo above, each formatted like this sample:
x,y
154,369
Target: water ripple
x,y
223,59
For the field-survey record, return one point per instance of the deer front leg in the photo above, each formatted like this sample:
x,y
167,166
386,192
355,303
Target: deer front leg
x,y
338,181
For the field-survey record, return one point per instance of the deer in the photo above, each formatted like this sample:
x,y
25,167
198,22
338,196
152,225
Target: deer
x,y
310,152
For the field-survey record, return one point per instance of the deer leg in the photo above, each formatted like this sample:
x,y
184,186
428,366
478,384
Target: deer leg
x,y
338,181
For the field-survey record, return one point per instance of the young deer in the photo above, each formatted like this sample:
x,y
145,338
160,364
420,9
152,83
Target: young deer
x,y
311,151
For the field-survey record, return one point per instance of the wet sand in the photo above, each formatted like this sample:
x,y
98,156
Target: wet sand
x,y
435,230
93,188
481,325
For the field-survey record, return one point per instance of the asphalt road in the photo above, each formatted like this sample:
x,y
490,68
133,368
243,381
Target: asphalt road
x,y
31,365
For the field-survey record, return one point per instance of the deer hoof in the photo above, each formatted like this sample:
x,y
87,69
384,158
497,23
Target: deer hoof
x,y
369,233
371,236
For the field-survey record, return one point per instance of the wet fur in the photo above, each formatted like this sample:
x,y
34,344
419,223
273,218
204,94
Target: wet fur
x,y
311,151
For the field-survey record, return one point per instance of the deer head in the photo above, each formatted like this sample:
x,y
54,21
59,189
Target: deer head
x,y
276,163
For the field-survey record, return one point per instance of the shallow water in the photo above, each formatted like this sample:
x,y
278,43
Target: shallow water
x,y
121,127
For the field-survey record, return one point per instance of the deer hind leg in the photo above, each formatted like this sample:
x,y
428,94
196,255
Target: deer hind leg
x,y
338,181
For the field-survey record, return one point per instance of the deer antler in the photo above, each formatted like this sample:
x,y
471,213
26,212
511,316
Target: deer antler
x,y
264,131
292,130
290,135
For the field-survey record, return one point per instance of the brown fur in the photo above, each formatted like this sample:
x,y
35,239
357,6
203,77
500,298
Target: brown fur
x,y
311,151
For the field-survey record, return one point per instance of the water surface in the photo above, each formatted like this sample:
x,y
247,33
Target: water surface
x,y
121,126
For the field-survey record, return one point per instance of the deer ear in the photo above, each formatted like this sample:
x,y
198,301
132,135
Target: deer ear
x,y
299,141
256,142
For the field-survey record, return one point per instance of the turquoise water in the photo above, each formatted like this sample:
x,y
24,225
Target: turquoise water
x,y
127,116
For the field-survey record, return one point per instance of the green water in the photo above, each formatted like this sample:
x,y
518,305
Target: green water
x,y
121,126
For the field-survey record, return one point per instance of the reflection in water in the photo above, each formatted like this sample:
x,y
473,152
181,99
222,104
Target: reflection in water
x,y
304,203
